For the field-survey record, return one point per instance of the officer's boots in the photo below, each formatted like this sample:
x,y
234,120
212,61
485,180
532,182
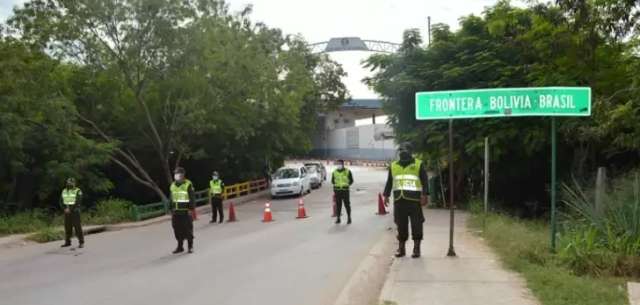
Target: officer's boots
x,y
416,249
179,249
190,242
401,251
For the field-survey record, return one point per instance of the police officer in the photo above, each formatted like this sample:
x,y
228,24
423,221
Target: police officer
x,y
216,187
70,199
408,180
342,179
182,204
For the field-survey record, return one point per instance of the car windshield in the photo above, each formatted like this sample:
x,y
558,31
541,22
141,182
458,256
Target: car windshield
x,y
312,165
311,169
286,173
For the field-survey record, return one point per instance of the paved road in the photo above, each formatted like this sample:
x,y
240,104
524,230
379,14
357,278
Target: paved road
x,y
285,262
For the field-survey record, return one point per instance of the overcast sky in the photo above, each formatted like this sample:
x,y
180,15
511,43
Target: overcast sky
x,y
320,20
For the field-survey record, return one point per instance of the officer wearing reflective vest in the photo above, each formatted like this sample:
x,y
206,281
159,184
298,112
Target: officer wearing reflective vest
x,y
182,204
70,199
408,180
342,179
216,189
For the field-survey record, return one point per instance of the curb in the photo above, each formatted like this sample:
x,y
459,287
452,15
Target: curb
x,y
633,291
370,276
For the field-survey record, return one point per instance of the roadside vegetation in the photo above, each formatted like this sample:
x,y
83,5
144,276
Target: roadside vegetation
x,y
118,93
598,244
523,246
48,226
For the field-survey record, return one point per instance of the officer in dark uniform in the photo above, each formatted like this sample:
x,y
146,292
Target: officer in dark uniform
x,y
182,204
342,179
216,191
408,180
70,199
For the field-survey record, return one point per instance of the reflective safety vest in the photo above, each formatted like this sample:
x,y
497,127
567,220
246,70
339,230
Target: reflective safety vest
x,y
406,181
69,196
341,179
215,187
180,195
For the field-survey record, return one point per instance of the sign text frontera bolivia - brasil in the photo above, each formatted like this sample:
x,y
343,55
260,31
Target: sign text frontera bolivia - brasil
x,y
484,103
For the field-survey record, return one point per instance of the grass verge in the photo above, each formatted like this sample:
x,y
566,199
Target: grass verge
x,y
46,227
523,246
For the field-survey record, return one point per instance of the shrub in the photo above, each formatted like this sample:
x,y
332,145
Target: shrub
x,y
112,210
47,234
24,222
603,240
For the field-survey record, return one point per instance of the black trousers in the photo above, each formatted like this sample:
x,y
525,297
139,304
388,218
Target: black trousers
x,y
72,223
405,211
182,224
217,208
342,197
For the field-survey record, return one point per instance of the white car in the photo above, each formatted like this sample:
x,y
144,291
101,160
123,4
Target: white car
x,y
315,177
290,181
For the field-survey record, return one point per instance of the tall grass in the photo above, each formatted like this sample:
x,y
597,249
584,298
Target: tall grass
x,y
107,211
523,246
606,239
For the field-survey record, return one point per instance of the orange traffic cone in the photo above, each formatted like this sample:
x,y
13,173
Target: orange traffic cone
x,y
267,213
381,208
232,213
194,214
301,211
334,206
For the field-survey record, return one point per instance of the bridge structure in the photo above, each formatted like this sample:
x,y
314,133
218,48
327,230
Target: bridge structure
x,y
338,137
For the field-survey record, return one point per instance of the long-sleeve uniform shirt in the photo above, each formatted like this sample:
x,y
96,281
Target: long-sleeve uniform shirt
x,y
423,179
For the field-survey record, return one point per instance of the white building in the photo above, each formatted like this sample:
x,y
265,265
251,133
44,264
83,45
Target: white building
x,y
338,136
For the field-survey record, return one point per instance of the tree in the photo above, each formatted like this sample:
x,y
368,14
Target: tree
x,y
509,47
167,81
40,140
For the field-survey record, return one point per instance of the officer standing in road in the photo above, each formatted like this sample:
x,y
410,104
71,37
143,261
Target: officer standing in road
x,y
70,199
408,180
182,204
216,188
342,179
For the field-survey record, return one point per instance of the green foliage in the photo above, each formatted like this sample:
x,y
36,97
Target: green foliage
x,y
508,46
40,142
523,247
603,240
110,211
150,86
47,234
24,222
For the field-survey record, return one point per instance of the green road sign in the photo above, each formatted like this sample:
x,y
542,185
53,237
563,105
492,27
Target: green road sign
x,y
486,103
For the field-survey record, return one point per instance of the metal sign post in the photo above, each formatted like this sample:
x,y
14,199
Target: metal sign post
x,y
503,102
452,251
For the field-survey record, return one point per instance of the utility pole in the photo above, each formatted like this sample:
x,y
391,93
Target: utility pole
x,y
429,30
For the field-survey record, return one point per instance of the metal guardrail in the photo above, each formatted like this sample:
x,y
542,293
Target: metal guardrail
x,y
142,212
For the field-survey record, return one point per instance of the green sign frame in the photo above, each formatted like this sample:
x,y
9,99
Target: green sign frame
x,y
503,102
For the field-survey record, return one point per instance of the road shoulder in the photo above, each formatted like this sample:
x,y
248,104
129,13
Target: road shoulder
x,y
475,276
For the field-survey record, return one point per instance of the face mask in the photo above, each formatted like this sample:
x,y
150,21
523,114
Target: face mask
x,y
70,185
405,155
177,177
215,177
341,166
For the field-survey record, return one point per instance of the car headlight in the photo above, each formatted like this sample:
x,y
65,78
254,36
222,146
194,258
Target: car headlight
x,y
296,184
